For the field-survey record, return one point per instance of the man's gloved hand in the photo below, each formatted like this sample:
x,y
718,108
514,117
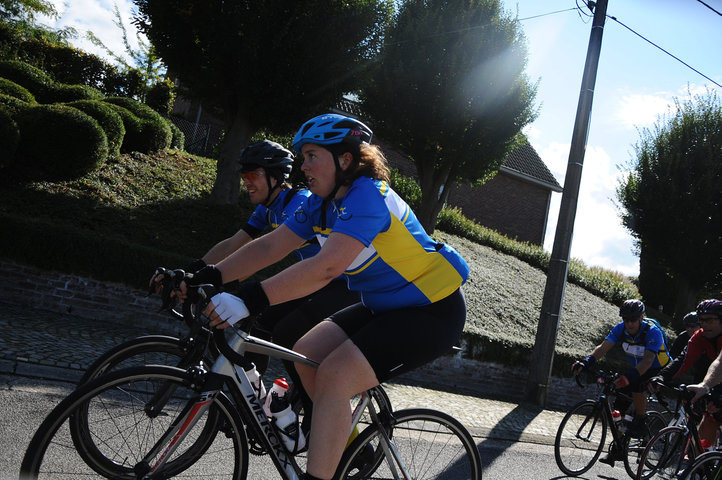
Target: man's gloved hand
x,y
229,308
582,364
655,383
195,265
207,275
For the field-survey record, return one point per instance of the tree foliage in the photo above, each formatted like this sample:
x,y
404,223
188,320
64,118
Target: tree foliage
x,y
268,63
671,200
450,90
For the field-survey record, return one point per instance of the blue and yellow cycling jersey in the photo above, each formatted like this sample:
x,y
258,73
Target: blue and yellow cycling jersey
x,y
401,264
649,337
277,213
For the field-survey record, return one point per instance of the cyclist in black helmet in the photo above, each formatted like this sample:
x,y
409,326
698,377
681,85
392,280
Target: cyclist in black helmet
x,y
643,342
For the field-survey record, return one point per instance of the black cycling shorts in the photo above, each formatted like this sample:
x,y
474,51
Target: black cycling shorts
x,y
400,340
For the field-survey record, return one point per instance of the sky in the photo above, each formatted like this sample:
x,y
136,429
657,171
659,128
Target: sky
x,y
636,83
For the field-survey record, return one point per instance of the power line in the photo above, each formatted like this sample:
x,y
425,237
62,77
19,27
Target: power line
x,y
665,51
715,11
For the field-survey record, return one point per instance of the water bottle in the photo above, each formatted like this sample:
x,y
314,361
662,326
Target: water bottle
x,y
255,379
280,387
286,423
617,418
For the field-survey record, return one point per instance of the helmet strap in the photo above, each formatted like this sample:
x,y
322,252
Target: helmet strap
x,y
271,188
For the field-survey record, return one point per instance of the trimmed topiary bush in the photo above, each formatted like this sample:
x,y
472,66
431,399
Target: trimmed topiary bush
x,y
133,140
179,139
109,120
161,97
13,104
58,142
33,79
9,138
62,93
156,134
8,87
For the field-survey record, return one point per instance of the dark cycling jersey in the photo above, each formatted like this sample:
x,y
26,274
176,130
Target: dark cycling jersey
x,y
402,265
278,212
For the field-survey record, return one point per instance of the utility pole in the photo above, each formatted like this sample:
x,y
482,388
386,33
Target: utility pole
x,y
540,367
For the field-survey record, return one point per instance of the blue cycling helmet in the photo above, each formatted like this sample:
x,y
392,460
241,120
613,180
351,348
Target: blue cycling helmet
x,y
330,129
632,308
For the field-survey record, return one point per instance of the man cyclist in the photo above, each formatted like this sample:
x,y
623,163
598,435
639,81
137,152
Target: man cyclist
x,y
708,342
691,325
643,343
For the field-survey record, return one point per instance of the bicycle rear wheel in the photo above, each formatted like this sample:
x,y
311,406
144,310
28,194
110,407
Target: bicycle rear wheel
x,y
664,455
707,466
430,445
580,438
148,350
634,447
123,431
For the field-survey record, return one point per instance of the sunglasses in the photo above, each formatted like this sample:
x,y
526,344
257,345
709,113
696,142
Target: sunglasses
x,y
630,319
252,175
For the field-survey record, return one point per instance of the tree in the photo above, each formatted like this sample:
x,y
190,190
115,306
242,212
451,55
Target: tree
x,y
671,200
450,91
144,61
21,16
267,63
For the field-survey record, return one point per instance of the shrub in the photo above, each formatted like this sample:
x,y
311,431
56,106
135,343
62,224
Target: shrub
x,y
161,97
179,139
61,93
407,188
9,138
13,104
11,88
157,134
58,142
109,120
133,140
32,78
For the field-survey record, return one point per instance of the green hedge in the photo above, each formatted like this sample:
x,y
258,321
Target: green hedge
x,y
156,134
133,141
32,78
109,120
13,104
9,138
179,139
58,142
8,87
63,93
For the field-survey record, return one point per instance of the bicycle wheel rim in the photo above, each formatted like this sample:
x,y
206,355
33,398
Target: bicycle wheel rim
x,y
634,447
580,438
707,466
431,444
124,433
664,456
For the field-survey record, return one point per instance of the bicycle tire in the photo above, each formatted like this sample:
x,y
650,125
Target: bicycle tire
x,y
580,438
431,445
117,417
663,457
146,350
707,466
634,447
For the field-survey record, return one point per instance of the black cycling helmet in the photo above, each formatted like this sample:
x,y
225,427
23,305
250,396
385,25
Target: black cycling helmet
x,y
712,306
632,308
276,160
691,320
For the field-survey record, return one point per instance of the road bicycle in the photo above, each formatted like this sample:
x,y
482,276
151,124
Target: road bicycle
x,y
582,433
707,466
161,421
675,447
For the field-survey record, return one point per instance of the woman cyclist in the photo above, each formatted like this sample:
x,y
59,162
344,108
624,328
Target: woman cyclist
x,y
412,309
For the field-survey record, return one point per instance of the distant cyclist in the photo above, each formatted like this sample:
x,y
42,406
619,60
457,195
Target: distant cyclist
x,y
643,342
691,325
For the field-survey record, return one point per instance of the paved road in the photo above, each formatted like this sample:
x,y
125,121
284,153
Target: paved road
x,y
43,344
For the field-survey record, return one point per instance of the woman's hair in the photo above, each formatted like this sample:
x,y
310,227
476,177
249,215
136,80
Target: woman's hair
x,y
368,161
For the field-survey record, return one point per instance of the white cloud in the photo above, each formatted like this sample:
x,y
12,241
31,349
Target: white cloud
x,y
642,110
599,239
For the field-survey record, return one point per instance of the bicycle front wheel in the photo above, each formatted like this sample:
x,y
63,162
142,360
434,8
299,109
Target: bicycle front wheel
x,y
580,438
664,455
430,445
634,446
707,466
124,430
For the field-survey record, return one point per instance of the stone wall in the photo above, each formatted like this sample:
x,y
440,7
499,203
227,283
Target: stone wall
x,y
24,285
